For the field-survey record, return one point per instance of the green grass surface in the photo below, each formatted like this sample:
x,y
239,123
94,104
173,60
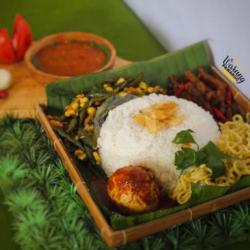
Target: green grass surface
x,y
6,233
110,18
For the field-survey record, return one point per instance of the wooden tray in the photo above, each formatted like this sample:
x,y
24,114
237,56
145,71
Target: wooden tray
x,y
121,237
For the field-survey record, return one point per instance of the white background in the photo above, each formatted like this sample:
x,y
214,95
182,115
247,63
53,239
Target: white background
x,y
178,23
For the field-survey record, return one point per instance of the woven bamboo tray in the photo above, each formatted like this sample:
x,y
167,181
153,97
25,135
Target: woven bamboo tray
x,y
121,237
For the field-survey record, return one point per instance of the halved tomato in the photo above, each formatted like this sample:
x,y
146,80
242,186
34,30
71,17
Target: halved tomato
x,y
22,36
7,54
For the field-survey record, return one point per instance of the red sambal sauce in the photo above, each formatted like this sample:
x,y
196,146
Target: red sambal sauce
x,y
70,58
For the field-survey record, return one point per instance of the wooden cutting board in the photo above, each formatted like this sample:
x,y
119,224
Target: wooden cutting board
x,y
26,92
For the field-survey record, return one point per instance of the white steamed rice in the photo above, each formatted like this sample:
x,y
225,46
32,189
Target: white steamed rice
x,y
123,142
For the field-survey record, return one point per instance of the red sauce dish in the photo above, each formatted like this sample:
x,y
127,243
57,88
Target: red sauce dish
x,y
64,55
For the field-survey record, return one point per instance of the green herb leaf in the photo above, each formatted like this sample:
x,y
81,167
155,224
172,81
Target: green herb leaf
x,y
214,159
185,158
201,157
183,137
210,155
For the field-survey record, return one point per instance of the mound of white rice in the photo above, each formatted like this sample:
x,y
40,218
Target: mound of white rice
x,y
123,142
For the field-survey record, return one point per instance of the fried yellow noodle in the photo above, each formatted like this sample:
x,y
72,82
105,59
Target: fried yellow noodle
x,y
234,141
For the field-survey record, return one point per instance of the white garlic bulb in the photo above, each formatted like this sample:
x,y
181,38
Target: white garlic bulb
x,y
5,79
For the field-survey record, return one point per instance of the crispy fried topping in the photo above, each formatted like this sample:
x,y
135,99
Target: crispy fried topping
x,y
159,116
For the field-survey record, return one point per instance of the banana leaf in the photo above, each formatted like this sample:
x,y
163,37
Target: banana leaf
x,y
200,193
156,70
119,221
242,183
108,105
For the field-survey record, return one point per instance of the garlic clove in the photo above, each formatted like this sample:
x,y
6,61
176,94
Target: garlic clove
x,y
5,79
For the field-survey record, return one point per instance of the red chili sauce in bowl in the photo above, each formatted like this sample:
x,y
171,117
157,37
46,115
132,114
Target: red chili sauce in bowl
x,y
70,58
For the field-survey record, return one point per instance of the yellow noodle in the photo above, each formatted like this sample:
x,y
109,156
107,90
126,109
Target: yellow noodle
x,y
182,192
234,141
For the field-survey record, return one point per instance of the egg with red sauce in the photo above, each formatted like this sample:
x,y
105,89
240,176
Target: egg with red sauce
x,y
134,189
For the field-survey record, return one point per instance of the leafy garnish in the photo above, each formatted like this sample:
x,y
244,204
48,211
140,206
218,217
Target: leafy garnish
x,y
184,136
214,159
210,155
185,158
201,157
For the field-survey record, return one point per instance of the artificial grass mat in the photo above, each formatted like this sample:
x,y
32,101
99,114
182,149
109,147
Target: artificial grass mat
x,y
6,241
48,213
